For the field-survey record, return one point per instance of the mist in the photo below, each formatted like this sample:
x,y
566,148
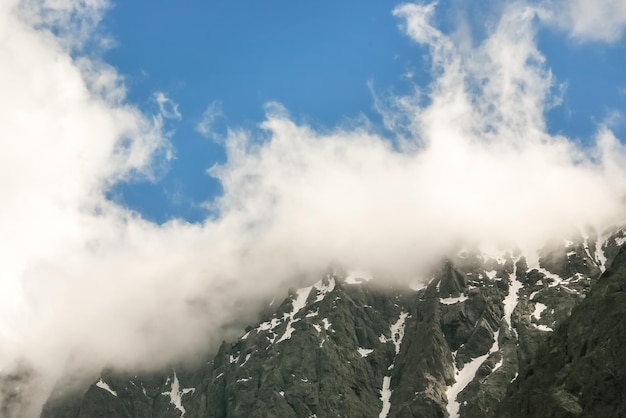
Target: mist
x,y
86,282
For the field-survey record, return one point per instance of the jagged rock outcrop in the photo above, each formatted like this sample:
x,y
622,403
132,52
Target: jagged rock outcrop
x,y
580,371
352,348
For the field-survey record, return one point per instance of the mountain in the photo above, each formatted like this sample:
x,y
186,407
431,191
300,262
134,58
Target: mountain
x,y
491,335
580,370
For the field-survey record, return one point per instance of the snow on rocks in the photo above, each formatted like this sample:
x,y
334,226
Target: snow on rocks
x,y
397,331
103,385
298,303
245,360
599,255
323,289
464,376
452,301
385,396
326,323
176,394
543,328
539,308
397,335
512,298
491,274
364,352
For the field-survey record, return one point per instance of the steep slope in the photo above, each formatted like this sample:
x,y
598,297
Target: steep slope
x,y
581,369
348,347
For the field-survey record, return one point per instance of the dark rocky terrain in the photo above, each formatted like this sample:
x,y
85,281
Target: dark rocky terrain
x,y
491,335
580,370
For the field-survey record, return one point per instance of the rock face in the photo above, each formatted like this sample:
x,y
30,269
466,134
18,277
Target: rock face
x,y
490,335
580,371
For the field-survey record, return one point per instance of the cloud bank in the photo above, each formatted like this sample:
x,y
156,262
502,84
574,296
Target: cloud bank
x,y
85,282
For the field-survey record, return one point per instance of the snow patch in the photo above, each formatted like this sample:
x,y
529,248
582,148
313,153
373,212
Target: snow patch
x,y
498,365
539,308
385,396
364,352
298,303
397,335
512,298
543,328
312,314
397,331
103,385
246,360
586,247
464,376
176,394
326,323
555,278
268,325
452,301
323,289
599,255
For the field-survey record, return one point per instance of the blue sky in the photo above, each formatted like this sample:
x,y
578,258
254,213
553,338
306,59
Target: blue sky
x,y
319,60
314,58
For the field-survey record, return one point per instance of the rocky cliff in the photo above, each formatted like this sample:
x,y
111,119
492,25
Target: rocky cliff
x,y
489,335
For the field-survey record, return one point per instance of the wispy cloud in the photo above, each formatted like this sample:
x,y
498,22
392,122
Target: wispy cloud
x,y
600,20
212,113
167,108
476,165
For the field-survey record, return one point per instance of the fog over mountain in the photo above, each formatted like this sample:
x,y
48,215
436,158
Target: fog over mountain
x,y
467,161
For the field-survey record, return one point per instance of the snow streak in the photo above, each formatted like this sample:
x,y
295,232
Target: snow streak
x,y
103,385
464,376
397,335
176,394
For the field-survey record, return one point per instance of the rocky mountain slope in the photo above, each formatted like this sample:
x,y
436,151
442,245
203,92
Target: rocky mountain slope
x,y
581,368
484,338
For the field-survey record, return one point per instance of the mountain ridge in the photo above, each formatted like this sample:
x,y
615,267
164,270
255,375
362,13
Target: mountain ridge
x,y
346,347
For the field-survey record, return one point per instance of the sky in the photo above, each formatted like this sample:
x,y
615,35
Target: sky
x,y
169,168
324,61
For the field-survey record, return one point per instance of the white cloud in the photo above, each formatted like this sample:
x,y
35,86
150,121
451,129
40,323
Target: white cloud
x,y
598,20
417,21
209,117
66,136
167,108
86,282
